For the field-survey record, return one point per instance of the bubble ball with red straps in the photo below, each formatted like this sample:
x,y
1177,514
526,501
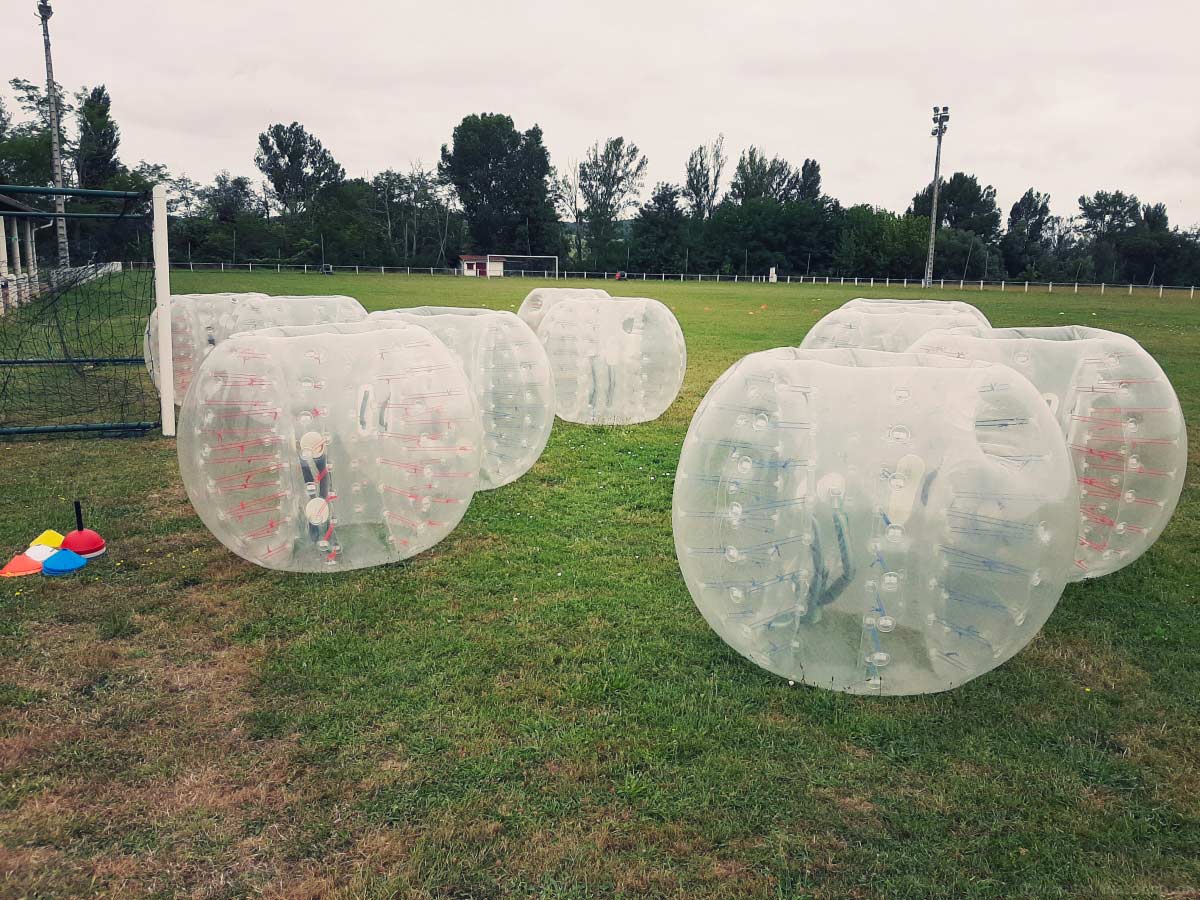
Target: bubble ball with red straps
x,y
510,373
199,322
1121,421
330,447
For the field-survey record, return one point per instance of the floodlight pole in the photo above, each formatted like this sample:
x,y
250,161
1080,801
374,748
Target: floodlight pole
x,y
940,118
64,253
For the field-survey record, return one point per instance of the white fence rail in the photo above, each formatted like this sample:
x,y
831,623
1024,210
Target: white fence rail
x,y
957,284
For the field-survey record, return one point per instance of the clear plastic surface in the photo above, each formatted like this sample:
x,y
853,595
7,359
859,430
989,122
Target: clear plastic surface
x,y
330,447
201,321
937,307
510,373
616,361
540,301
1120,418
198,323
871,522
884,325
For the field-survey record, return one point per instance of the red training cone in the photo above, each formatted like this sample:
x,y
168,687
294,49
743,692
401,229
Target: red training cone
x,y
83,541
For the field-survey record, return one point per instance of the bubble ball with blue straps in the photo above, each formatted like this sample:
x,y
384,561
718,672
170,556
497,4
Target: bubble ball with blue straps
x,y
872,522
616,361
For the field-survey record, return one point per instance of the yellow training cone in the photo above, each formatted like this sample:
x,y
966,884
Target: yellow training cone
x,y
48,538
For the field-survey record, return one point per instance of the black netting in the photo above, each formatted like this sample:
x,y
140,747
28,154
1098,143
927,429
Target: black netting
x,y
71,341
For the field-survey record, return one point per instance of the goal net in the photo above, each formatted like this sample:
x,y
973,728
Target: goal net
x,y
500,265
71,335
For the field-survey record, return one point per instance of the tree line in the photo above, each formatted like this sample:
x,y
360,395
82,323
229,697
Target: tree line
x,y
494,189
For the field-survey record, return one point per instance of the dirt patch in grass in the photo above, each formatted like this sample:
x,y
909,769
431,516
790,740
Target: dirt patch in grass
x,y
166,502
133,771
1156,748
1087,664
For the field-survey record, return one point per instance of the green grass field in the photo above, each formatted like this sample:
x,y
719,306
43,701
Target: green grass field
x,y
536,709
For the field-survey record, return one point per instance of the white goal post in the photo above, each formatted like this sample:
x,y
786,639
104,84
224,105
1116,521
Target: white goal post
x,y
503,257
162,302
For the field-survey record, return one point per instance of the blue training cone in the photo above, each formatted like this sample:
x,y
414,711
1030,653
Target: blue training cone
x,y
64,562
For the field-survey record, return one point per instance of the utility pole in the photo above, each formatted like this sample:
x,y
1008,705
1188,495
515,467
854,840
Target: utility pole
x,y
64,253
940,118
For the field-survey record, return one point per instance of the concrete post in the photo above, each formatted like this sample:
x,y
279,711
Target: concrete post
x,y
3,247
30,250
14,245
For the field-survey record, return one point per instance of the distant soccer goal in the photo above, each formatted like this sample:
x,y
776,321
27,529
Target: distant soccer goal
x,y
510,264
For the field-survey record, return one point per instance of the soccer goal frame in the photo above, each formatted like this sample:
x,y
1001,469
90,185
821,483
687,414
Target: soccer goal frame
x,y
161,261
504,257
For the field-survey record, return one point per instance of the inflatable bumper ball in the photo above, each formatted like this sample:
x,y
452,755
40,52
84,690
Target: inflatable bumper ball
x,y
615,362
871,522
540,301
510,373
330,447
1121,420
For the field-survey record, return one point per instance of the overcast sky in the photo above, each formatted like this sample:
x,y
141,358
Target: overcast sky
x,y
1066,97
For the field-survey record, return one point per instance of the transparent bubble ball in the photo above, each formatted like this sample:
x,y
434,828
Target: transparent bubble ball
x,y
540,301
616,361
855,520
199,322
887,324
1121,421
510,374
330,447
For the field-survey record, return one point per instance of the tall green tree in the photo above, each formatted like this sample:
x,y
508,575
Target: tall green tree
x,y
415,217
660,231
569,202
229,197
25,156
184,196
1149,249
31,98
809,187
610,178
1108,219
96,162
703,178
1107,214
25,145
756,177
537,222
505,184
1154,217
296,164
877,242
1030,235
963,203
964,254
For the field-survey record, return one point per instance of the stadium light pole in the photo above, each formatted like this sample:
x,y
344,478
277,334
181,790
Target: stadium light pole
x,y
64,253
940,118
